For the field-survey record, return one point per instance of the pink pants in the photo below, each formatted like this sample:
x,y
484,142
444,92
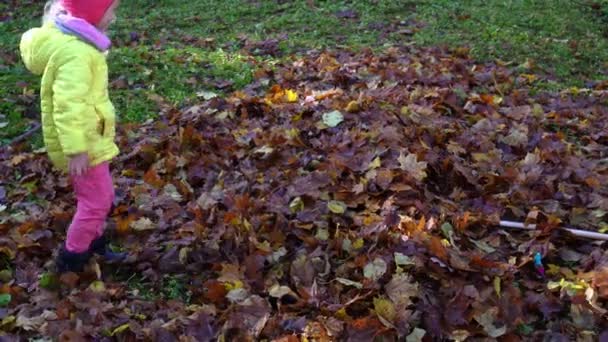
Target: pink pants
x,y
95,193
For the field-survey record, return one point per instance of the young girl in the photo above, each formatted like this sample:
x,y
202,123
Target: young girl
x,y
77,115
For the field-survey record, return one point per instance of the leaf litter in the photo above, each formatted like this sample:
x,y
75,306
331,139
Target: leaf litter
x,y
271,215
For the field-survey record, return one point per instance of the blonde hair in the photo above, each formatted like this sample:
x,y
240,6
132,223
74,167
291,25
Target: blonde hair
x,y
51,9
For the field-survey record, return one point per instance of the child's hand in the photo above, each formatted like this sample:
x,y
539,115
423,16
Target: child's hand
x,y
78,164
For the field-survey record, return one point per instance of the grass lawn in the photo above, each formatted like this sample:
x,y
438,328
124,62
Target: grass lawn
x,y
175,49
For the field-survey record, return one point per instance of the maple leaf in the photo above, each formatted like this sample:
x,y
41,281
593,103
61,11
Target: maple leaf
x,y
412,166
142,224
385,309
487,320
333,118
401,289
416,336
375,269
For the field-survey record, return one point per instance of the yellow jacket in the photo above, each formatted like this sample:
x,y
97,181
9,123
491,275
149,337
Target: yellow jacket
x,y
77,115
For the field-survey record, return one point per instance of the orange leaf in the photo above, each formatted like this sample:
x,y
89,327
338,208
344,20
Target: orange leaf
x,y
288,338
482,263
463,222
152,178
216,291
16,160
592,182
488,99
600,281
230,217
242,203
25,228
123,224
437,248
366,323
69,279
62,309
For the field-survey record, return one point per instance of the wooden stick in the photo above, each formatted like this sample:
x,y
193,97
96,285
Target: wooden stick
x,y
575,232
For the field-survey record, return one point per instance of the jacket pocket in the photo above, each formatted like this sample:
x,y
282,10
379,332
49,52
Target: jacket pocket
x,y
101,122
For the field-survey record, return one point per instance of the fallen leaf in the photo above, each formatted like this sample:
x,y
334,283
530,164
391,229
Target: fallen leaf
x,y
412,166
349,282
403,260
333,118
353,107
237,295
487,320
5,299
143,224
206,95
483,246
336,207
97,286
120,329
278,291
497,286
416,336
296,205
375,269
385,309
401,289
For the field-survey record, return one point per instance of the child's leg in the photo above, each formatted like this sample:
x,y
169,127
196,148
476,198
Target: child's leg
x,y
95,194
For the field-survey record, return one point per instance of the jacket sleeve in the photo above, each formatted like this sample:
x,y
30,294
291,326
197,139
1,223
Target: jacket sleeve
x,y
72,112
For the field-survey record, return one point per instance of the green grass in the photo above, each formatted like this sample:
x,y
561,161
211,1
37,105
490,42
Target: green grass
x,y
564,38
174,49
171,287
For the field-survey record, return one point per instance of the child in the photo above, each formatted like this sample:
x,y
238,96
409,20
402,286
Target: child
x,y
77,115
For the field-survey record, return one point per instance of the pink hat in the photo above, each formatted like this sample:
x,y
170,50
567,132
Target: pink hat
x,y
89,10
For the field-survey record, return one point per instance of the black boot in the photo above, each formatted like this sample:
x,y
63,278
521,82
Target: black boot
x,y
99,246
71,262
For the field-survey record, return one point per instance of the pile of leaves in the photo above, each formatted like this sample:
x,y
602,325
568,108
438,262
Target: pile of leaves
x,y
340,196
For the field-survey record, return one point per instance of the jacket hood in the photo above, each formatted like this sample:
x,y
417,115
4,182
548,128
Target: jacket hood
x,y
38,46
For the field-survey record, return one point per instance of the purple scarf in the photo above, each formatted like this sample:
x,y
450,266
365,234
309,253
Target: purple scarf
x,y
83,30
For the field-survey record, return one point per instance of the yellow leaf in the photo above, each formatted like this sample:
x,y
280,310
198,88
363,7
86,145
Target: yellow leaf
x,y
292,133
120,329
183,254
497,286
290,95
358,243
296,205
353,107
341,314
376,163
480,157
233,285
8,252
97,286
336,207
296,117
552,269
8,320
16,160
385,308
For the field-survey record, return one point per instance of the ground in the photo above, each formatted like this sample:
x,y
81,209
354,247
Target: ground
x,y
177,49
327,171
